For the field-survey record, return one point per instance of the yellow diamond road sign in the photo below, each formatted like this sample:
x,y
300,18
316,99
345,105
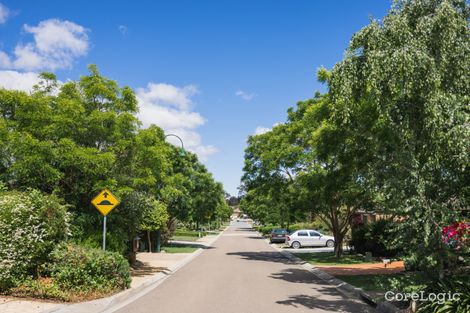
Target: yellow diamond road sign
x,y
105,201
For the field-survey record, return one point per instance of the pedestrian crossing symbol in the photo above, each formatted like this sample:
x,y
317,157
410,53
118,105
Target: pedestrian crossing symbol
x,y
105,201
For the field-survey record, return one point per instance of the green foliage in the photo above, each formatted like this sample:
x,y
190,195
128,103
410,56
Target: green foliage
x,y
376,237
76,138
72,140
154,216
85,269
316,225
390,135
402,92
455,285
266,229
31,225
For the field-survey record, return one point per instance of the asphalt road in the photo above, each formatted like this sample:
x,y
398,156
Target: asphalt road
x,y
242,273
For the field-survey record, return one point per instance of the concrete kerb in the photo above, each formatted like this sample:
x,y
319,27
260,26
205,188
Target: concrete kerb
x,y
120,300
343,287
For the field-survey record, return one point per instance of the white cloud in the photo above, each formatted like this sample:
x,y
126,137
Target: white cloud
x,y
5,61
123,29
4,14
261,130
168,95
245,95
18,81
169,107
56,45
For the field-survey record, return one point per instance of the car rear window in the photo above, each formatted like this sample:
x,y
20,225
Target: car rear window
x,y
279,231
302,233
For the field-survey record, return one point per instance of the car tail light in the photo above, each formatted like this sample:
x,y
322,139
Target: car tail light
x,y
288,238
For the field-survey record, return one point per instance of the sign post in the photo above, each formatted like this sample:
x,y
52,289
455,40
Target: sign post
x,y
104,233
104,202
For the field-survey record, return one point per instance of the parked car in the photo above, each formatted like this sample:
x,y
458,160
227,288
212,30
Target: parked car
x,y
309,238
278,235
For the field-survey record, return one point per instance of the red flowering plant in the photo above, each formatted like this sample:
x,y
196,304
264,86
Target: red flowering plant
x,y
456,238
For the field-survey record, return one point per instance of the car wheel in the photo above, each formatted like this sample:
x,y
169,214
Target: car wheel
x,y
296,245
330,243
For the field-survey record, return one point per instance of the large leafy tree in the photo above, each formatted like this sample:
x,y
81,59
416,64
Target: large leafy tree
x,y
304,168
403,92
76,138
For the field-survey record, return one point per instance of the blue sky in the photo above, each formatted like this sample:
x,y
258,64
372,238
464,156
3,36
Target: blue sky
x,y
210,71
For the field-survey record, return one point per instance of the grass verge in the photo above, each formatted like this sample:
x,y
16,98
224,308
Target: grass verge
x,y
402,282
328,258
185,238
179,249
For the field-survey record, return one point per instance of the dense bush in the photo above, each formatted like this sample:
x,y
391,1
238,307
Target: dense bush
x,y
316,225
459,284
86,269
266,229
375,237
31,225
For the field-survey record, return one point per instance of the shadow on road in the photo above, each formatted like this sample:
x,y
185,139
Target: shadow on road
x,y
295,275
331,305
244,229
255,237
267,256
333,301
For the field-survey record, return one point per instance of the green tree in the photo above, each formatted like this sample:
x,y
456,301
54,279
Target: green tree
x,y
154,218
402,92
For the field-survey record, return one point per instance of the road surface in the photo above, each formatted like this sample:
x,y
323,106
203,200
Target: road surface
x,y
242,273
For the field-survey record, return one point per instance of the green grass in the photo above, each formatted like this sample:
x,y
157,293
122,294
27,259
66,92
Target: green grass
x,y
328,258
185,238
403,282
179,249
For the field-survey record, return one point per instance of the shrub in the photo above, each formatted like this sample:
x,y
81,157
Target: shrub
x,y
266,230
459,284
31,225
374,237
87,269
316,225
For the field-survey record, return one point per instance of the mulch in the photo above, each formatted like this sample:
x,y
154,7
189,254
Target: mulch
x,y
363,269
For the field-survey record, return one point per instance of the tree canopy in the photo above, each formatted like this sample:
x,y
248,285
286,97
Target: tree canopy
x,y
391,134
75,138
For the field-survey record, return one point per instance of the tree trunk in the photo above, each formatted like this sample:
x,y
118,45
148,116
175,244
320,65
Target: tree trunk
x,y
149,242
339,237
132,257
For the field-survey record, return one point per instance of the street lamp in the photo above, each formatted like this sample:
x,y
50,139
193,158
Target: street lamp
x,y
159,234
182,144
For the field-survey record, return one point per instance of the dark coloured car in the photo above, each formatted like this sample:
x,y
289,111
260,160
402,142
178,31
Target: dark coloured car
x,y
278,235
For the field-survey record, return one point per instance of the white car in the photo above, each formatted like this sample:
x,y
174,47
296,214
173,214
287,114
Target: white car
x,y
309,238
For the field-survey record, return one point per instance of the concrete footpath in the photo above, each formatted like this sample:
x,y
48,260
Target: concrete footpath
x,y
154,268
